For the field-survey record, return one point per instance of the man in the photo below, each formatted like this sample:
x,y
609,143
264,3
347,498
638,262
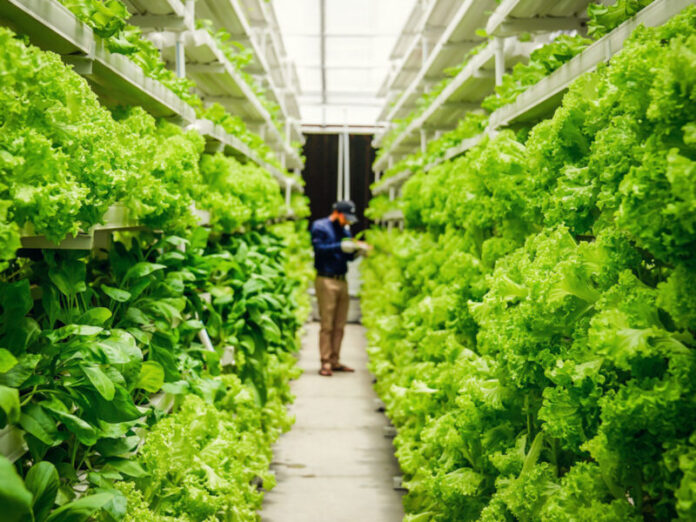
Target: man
x,y
333,248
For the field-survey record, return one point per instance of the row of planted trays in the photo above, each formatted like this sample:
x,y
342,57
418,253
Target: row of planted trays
x,y
533,328
144,357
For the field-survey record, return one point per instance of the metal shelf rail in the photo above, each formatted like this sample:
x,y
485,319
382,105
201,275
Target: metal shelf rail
x,y
542,99
276,70
115,78
455,41
422,30
218,80
465,93
218,140
174,15
509,18
51,26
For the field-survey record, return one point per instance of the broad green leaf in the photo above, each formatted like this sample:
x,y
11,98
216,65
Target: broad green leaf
x,y
139,287
113,447
120,409
128,467
15,498
176,388
37,422
7,360
137,316
81,509
95,316
162,350
117,507
9,405
120,347
168,257
85,432
69,277
533,454
51,305
118,295
194,324
100,381
103,479
165,309
177,241
15,299
142,269
270,329
19,373
151,376
20,334
81,330
43,481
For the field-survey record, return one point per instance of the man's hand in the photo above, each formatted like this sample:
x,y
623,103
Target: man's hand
x,y
363,248
349,246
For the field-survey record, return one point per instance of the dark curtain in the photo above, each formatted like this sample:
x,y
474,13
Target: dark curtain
x,y
321,174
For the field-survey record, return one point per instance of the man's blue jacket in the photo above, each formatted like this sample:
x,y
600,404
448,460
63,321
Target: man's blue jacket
x,y
326,239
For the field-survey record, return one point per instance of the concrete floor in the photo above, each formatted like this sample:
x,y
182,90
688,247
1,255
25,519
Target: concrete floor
x,y
335,465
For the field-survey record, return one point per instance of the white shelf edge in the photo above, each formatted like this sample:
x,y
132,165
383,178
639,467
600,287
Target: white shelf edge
x,y
396,180
459,17
502,15
468,72
393,215
417,33
209,129
455,151
656,14
51,16
59,20
203,37
131,73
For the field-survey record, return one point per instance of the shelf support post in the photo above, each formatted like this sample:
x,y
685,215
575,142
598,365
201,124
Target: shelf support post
x,y
288,194
346,165
339,191
499,60
190,17
180,56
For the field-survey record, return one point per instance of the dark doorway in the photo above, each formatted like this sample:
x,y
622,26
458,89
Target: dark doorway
x,y
321,173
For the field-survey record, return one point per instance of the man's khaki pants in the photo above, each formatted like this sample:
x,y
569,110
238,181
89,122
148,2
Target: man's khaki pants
x,y
333,300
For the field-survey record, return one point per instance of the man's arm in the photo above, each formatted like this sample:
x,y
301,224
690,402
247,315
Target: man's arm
x,y
322,242
350,255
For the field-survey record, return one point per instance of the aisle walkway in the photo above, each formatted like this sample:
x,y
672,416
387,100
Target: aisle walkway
x,y
335,465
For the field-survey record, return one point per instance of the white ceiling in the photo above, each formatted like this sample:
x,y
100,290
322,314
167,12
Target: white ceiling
x,y
360,35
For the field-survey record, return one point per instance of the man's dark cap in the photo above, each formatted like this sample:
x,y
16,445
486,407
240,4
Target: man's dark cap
x,y
347,208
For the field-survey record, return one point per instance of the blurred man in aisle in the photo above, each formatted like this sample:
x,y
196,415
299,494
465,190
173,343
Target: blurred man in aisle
x,y
333,248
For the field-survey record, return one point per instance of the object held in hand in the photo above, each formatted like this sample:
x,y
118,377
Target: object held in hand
x,y
349,246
